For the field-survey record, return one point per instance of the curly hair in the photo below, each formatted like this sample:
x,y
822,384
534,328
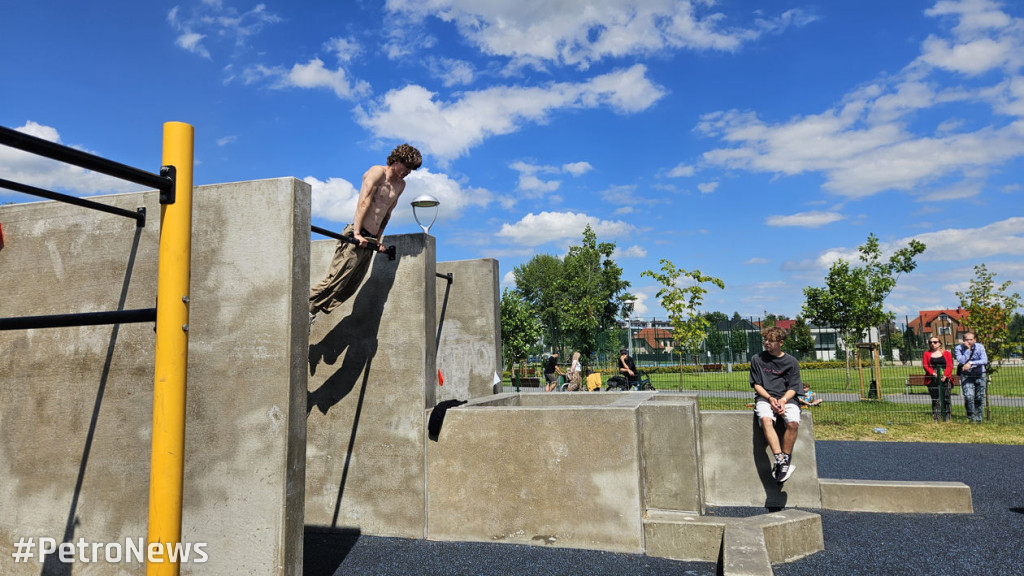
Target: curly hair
x,y
407,155
774,334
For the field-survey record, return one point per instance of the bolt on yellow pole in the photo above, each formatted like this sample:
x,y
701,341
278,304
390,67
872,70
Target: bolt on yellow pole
x,y
167,467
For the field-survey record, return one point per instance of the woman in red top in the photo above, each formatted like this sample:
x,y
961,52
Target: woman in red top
x,y
938,363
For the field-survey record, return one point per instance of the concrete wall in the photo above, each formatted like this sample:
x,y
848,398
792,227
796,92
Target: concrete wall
x,y
737,463
562,475
372,375
76,403
469,354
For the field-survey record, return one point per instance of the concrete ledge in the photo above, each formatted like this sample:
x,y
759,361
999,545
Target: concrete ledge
x,y
744,545
896,496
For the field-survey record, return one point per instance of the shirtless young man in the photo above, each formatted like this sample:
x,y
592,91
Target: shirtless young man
x,y
382,185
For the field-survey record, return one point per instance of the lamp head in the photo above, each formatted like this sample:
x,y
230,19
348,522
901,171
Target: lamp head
x,y
424,202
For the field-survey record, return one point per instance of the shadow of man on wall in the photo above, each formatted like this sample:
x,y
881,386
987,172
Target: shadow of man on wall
x,y
355,337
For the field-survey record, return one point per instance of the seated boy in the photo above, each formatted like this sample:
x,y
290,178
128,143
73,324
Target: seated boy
x,y
775,378
808,398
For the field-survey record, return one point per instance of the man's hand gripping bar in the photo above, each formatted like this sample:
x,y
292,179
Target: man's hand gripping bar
x,y
371,245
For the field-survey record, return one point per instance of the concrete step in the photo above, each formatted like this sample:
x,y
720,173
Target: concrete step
x,y
742,546
896,496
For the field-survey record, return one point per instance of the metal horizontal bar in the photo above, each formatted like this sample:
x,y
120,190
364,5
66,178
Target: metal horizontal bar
x,y
62,153
139,215
447,276
82,319
328,233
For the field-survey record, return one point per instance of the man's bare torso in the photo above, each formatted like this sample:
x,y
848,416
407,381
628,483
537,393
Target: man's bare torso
x,y
383,194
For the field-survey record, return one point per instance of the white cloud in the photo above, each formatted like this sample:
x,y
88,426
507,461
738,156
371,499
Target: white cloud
x,y
345,49
40,172
216,23
226,140
530,183
447,130
577,32
536,229
707,187
1002,238
577,168
335,199
865,145
756,260
682,171
813,219
630,252
311,75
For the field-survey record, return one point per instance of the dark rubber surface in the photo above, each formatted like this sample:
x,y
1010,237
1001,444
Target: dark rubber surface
x,y
989,542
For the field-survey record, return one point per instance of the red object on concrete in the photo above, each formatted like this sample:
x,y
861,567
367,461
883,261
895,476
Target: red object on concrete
x,y
440,378
1,236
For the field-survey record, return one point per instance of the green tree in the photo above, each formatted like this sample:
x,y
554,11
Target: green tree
x,y
520,328
738,344
892,341
1016,334
800,341
853,297
689,327
715,342
989,311
577,299
536,283
593,290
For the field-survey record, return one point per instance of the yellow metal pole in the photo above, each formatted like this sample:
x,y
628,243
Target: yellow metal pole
x,y
167,466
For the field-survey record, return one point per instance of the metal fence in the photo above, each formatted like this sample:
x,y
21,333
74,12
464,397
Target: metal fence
x,y
891,390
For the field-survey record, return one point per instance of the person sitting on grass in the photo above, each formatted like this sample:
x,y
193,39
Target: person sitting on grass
x,y
808,398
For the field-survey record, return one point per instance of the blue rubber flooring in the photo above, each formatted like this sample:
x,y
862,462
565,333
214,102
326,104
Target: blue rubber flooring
x,y
989,542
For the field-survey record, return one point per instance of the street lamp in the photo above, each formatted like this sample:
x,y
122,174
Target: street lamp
x,y
425,201
629,324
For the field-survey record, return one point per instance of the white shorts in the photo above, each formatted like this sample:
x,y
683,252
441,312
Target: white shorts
x,y
763,409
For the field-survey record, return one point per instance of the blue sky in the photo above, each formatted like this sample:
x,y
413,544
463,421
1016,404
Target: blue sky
x,y
754,141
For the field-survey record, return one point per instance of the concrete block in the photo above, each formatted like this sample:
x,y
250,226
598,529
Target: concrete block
x,y
896,496
671,469
744,552
547,475
372,373
791,534
76,403
469,353
737,464
683,536
741,545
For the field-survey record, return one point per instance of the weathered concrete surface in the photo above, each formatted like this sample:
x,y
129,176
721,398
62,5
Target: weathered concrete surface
x,y
372,374
896,496
469,354
76,403
742,546
671,469
737,463
560,488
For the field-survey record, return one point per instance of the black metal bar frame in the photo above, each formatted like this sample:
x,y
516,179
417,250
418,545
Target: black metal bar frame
x,y
139,215
390,251
163,182
82,319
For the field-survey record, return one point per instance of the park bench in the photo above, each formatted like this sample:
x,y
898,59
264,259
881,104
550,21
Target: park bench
x,y
528,378
923,380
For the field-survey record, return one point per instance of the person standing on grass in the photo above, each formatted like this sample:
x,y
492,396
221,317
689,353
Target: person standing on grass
x,y
551,372
775,378
938,364
972,360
